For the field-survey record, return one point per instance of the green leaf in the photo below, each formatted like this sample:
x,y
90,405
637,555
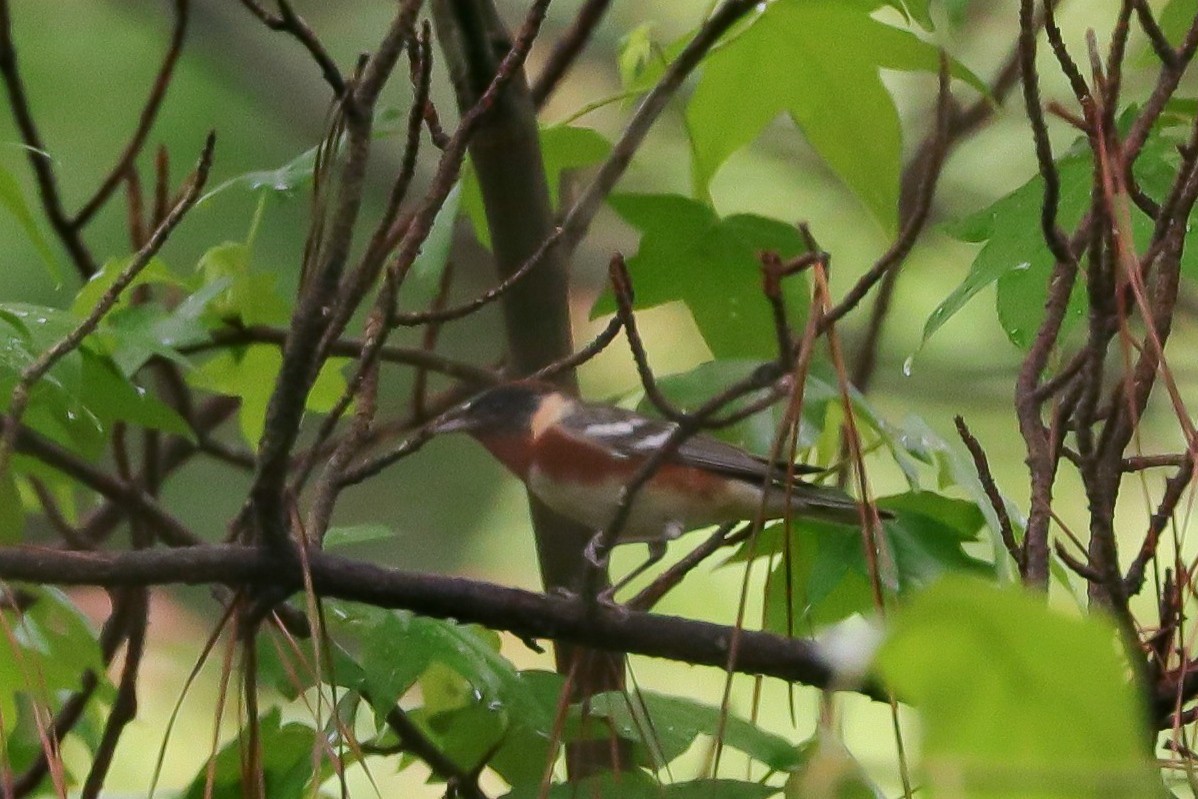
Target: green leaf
x,y
916,10
251,297
1016,699
434,254
356,534
1015,255
1176,19
400,647
567,147
249,374
113,397
676,722
563,147
13,199
927,534
638,785
57,402
155,272
688,253
637,49
284,181
955,467
630,784
286,763
843,48
392,660
290,672
827,577
47,648
521,758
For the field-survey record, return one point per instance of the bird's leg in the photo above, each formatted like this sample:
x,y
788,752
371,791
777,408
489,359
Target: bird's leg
x,y
657,551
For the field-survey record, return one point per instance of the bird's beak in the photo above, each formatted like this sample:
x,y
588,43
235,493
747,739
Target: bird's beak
x,y
451,421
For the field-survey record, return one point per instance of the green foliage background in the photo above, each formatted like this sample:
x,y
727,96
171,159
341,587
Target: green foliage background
x,y
760,143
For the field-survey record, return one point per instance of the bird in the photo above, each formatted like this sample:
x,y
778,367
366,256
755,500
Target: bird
x,y
578,457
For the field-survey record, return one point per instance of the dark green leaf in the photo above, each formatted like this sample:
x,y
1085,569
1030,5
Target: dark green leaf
x,y
47,649
56,406
927,534
827,575
113,397
291,672
1015,255
1016,699
391,661
953,467
687,253
521,758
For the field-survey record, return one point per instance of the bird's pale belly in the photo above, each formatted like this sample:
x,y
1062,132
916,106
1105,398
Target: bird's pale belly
x,y
673,509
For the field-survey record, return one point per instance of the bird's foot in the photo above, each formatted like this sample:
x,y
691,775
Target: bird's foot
x,y
606,599
596,551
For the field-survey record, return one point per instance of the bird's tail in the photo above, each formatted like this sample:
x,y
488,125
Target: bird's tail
x,y
825,503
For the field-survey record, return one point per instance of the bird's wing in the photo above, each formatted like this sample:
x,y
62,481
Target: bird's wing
x,y
632,435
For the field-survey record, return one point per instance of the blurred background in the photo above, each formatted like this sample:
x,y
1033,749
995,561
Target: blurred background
x,y
88,64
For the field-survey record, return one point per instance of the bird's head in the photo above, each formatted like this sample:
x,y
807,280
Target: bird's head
x,y
503,410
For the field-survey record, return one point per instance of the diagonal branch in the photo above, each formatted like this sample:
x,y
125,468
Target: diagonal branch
x,y
39,156
43,363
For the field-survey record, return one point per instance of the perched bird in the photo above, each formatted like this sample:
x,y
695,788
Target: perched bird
x,y
577,458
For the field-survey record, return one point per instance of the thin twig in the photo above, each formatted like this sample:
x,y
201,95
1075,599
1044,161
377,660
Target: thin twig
x,y
567,50
1175,486
599,343
914,226
578,220
145,122
982,465
651,594
351,348
1156,37
293,24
